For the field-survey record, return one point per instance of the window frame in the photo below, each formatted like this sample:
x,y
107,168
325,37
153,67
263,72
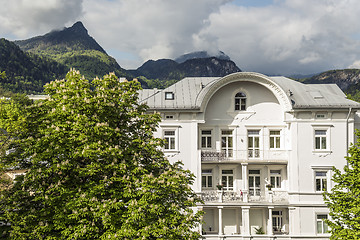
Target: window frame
x,y
240,101
326,136
321,180
175,137
319,140
276,176
275,137
323,224
169,95
229,184
253,152
229,140
278,217
207,175
208,139
254,190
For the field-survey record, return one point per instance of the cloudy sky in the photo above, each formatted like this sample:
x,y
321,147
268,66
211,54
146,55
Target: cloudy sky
x,y
272,37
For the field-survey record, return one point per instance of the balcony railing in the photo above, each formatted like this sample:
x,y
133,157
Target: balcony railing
x,y
213,156
280,196
275,196
220,196
253,154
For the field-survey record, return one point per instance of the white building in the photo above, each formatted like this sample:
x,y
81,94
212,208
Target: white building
x,y
246,131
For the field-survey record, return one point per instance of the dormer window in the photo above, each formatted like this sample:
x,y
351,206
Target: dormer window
x,y
240,101
169,96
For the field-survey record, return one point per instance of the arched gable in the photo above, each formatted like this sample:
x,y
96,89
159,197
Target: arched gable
x,y
205,95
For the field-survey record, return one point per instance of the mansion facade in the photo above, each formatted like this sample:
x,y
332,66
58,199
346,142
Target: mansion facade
x,y
262,150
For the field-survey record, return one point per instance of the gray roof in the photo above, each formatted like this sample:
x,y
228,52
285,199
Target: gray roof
x,y
189,90
314,95
186,92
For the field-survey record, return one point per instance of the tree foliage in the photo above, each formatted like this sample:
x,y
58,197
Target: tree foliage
x,y
344,199
354,94
93,168
156,83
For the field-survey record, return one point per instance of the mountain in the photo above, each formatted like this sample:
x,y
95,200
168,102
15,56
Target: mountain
x,y
345,78
201,54
74,48
26,72
68,39
166,69
159,69
208,67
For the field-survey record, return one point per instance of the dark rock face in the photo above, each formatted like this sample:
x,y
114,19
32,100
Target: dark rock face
x,y
198,67
345,78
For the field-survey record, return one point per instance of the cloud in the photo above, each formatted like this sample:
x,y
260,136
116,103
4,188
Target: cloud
x,y
281,37
354,65
293,36
27,18
286,37
152,29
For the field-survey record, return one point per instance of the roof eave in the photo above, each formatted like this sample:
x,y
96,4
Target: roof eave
x,y
325,107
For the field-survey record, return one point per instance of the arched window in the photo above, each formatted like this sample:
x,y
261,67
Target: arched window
x,y
240,101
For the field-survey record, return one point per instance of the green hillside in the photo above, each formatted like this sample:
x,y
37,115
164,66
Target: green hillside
x,y
26,72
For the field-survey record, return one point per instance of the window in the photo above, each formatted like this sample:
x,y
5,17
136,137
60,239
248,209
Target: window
x,y
320,115
320,181
170,140
275,178
169,116
227,143
275,139
321,225
254,182
206,139
240,101
206,178
227,179
253,144
320,139
277,221
169,96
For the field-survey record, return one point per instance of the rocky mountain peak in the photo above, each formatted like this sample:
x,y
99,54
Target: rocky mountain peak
x,y
75,37
201,54
78,27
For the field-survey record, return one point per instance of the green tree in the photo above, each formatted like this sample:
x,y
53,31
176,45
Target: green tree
x,y
2,75
94,169
355,95
344,199
12,118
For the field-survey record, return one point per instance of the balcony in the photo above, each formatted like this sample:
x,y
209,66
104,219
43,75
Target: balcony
x,y
274,196
213,156
220,196
242,155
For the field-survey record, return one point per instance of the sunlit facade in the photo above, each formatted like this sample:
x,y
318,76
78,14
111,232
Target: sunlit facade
x,y
262,150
